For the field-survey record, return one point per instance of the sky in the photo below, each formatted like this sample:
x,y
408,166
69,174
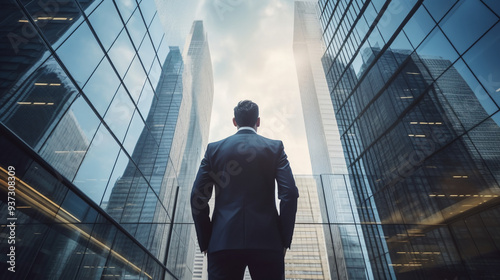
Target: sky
x,y
251,46
252,56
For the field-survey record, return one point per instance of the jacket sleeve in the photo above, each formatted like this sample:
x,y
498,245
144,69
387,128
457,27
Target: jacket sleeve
x,y
288,195
200,195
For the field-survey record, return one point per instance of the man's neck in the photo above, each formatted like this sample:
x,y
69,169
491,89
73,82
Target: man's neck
x,y
247,128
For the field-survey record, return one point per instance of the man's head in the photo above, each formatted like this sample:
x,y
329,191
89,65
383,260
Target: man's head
x,y
246,113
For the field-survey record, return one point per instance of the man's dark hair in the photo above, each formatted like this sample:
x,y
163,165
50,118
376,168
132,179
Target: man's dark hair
x,y
246,113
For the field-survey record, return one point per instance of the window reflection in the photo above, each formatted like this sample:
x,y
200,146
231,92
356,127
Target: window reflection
x,y
147,53
466,22
22,48
118,170
483,59
494,5
489,151
119,113
438,9
136,28
154,74
437,53
93,175
81,54
68,143
163,51
148,10
156,31
121,53
55,18
106,23
459,96
102,86
419,26
126,7
60,239
145,102
45,94
393,16
133,132
135,79
483,98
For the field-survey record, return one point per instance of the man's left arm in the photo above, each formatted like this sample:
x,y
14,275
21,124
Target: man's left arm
x,y
200,195
288,195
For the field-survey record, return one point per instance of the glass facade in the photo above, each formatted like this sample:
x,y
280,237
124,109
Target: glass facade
x,y
347,254
101,129
415,89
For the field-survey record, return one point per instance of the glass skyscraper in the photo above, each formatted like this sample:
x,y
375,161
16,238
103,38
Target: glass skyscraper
x,y
415,88
102,126
339,219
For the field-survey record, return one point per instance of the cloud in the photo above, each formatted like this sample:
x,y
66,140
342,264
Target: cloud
x,y
251,47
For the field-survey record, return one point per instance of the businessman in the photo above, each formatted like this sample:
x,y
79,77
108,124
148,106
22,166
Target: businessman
x,y
246,229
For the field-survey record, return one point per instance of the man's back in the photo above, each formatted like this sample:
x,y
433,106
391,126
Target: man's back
x,y
243,168
245,229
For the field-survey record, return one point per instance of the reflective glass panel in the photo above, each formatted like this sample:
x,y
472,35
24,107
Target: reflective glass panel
x,y
119,113
147,53
80,54
483,59
436,53
154,74
102,86
461,98
136,28
68,143
135,78
121,53
58,255
106,23
494,5
118,171
163,51
488,147
126,7
419,26
438,9
94,173
37,106
467,21
484,99
77,211
21,48
133,133
148,9
146,99
393,16
55,18
156,31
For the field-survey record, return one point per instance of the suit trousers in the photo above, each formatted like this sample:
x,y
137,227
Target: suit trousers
x,y
231,264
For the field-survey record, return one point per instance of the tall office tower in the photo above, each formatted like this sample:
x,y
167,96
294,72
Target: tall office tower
x,y
414,85
347,251
308,258
94,119
194,119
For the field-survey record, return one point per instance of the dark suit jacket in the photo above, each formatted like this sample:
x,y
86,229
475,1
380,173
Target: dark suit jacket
x,y
244,168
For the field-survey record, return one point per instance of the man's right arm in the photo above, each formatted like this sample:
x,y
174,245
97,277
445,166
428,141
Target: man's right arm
x,y
200,195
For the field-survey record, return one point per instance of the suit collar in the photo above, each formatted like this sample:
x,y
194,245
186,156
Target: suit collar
x,y
247,129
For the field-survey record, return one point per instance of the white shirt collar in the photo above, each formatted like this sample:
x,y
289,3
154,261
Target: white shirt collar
x,y
247,128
